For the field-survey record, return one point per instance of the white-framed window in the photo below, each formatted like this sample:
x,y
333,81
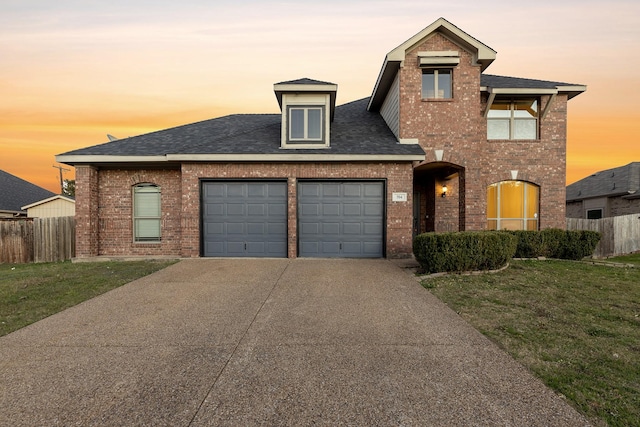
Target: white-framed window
x,y
513,119
513,205
436,83
146,213
595,213
306,124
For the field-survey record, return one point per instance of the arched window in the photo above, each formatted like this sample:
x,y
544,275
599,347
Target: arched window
x,y
513,205
146,213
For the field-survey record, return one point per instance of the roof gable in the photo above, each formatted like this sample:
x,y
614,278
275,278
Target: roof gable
x,y
483,55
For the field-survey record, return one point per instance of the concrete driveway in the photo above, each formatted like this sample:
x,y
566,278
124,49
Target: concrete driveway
x,y
213,342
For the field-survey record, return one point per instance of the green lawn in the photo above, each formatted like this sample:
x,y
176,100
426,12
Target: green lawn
x,y
627,259
30,292
575,325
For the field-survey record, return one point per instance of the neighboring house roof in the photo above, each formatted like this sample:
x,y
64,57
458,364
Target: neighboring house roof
x,y
16,192
621,181
489,82
47,200
356,134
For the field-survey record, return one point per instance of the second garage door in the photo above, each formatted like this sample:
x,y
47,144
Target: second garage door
x,y
244,219
341,219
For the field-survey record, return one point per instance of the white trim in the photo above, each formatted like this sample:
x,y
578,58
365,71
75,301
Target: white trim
x,y
409,141
294,157
50,199
305,88
521,91
289,157
97,158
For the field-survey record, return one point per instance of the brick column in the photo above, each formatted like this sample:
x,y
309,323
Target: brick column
x,y
87,221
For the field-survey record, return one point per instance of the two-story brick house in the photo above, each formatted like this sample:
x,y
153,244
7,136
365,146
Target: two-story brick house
x,y
438,146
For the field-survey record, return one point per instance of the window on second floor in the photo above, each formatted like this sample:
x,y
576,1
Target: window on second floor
x,y
436,83
306,124
513,119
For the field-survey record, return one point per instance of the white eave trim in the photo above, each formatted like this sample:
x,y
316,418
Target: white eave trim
x,y
71,159
305,88
293,157
280,157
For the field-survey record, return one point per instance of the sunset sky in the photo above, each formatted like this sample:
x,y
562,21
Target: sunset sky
x,y
73,71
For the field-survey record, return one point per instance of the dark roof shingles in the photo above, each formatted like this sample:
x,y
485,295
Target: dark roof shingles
x,y
16,192
353,131
622,180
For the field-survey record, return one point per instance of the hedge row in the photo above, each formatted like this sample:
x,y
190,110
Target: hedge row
x,y
556,243
464,251
490,250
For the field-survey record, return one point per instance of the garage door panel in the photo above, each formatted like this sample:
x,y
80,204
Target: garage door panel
x,y
310,209
329,228
353,190
341,219
352,209
331,209
245,219
352,228
330,248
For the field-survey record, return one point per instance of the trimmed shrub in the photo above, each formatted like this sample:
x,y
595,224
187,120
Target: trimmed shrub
x,y
463,251
556,243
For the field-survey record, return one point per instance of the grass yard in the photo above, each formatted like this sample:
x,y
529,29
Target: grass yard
x,y
30,292
628,259
575,325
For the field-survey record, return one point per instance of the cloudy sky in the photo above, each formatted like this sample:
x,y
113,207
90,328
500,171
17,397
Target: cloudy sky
x,y
73,71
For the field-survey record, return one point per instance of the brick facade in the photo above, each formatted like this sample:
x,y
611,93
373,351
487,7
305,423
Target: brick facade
x,y
452,132
108,230
458,127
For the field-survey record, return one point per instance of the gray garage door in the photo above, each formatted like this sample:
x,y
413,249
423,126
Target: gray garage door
x,y
341,219
244,219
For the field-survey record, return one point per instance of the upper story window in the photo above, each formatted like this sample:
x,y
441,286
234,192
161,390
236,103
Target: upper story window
x,y
146,213
305,124
513,119
436,83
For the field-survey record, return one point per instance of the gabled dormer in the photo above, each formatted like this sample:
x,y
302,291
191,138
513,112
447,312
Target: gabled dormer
x,y
307,112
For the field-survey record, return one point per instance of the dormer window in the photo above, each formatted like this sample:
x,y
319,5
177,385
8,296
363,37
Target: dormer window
x,y
305,124
307,111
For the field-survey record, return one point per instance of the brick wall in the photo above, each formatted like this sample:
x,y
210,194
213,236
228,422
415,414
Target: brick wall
x,y
457,126
104,203
619,206
86,211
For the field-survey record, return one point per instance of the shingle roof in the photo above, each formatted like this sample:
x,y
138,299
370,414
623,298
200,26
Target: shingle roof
x,y
16,192
623,180
305,81
504,82
353,131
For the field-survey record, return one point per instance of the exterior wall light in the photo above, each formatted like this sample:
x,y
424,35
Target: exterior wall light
x,y
444,191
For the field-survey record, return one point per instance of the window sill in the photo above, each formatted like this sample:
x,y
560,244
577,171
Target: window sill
x,y
527,141
437,99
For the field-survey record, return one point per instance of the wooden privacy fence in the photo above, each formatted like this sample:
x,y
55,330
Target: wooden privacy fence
x,y
620,234
37,239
